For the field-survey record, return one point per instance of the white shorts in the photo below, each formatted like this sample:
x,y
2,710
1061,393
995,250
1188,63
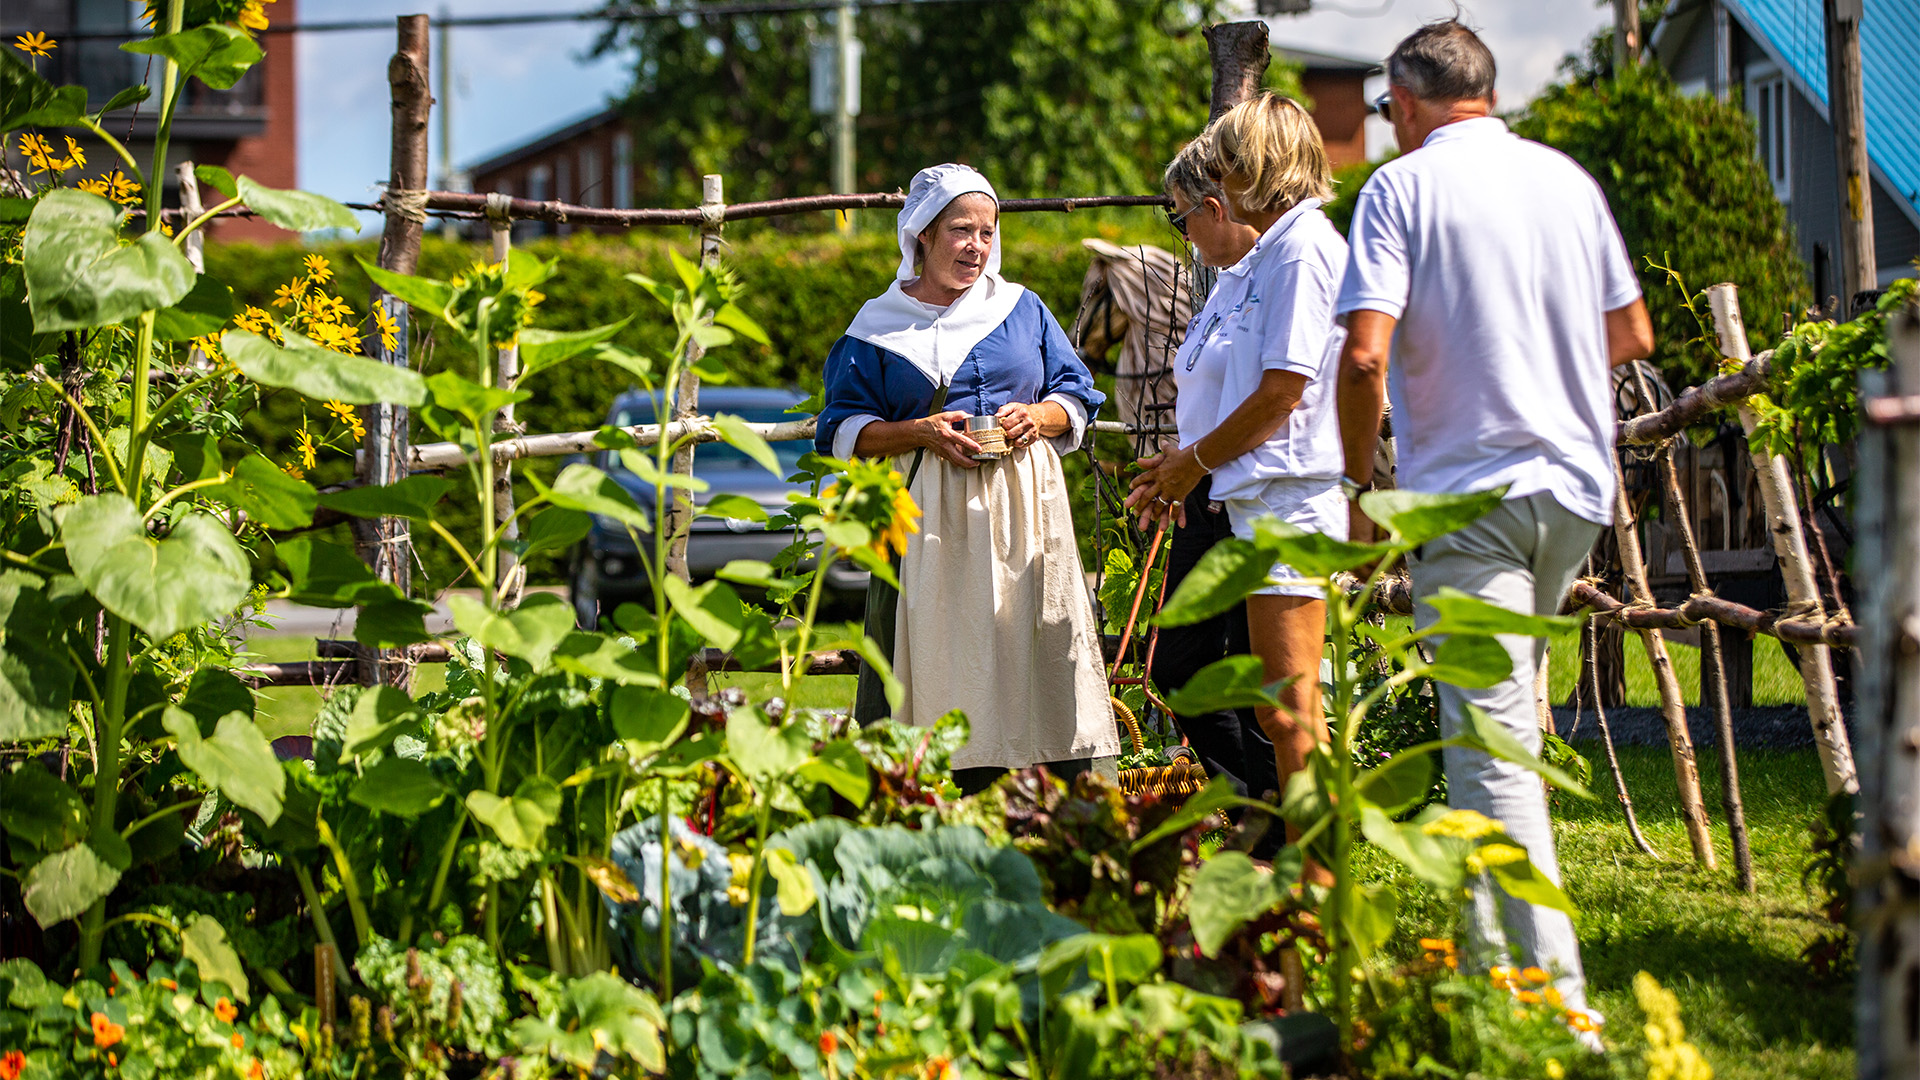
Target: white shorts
x,y
1314,505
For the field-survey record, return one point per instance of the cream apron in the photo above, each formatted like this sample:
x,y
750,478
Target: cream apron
x,y
994,617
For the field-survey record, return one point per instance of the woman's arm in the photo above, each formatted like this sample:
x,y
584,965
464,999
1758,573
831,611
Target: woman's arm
x,y
1160,491
1042,419
938,433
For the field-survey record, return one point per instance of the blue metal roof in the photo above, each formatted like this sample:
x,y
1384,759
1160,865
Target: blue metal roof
x,y
1795,31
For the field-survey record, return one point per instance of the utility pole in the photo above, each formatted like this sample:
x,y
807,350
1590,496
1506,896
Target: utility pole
x,y
1846,108
1626,35
444,72
846,107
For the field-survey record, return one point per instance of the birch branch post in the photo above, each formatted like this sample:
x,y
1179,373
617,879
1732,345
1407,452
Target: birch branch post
x,y
1590,676
1886,869
1673,708
1790,545
686,397
509,573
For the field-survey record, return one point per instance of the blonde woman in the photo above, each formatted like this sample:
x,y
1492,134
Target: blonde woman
x,y
1255,408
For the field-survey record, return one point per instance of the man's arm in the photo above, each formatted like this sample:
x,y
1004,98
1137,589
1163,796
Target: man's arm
x,y
1629,338
1362,388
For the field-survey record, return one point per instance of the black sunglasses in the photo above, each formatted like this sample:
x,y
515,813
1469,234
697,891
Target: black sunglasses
x,y
1179,221
1384,105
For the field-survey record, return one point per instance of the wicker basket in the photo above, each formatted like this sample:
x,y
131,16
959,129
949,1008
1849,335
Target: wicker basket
x,y
1180,779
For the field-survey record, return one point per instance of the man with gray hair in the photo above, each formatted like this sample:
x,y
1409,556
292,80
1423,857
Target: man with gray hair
x,y
1489,269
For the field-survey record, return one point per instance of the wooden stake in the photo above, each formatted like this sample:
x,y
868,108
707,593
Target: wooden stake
x,y
1790,546
510,575
1846,105
686,399
1590,670
384,543
1240,55
1673,710
1886,872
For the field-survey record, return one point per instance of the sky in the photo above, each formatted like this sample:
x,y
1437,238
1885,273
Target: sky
x,y
512,84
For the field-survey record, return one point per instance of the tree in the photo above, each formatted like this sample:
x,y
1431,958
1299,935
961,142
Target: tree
x,y
1054,96
1681,177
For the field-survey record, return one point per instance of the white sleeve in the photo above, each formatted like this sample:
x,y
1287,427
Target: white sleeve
x,y
1299,317
848,434
1069,441
1378,271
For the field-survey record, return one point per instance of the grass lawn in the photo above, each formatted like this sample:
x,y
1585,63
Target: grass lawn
x,y
1775,681
1750,1003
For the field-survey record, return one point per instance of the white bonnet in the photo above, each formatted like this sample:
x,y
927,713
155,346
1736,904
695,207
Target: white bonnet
x,y
932,189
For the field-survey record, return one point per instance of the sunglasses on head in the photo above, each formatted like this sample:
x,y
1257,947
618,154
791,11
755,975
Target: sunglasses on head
x,y
1384,105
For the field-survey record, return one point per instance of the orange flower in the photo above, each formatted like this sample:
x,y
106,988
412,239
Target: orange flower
x,y
224,1010
255,1070
829,1042
11,1064
113,1059
1580,1020
939,1068
238,1040
1536,976
105,1032
1528,997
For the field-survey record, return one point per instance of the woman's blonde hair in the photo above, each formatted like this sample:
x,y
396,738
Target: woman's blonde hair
x,y
1267,149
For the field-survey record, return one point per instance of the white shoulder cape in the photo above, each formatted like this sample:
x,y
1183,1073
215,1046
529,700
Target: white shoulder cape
x,y
935,340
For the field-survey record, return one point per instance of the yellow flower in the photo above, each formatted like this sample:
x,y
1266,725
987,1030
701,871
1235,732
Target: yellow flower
x,y
95,187
742,872
290,293
303,442
318,271
1536,976
254,320
35,44
346,415
389,330
1502,976
124,190
293,470
1463,825
253,17
894,537
75,155
1528,997
1555,1070
1501,854
39,154
1669,1055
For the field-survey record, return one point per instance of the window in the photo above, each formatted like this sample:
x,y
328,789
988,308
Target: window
x,y
1767,100
539,189
592,181
623,171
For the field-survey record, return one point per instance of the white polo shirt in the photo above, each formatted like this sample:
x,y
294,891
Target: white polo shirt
x,y
1500,260
1271,311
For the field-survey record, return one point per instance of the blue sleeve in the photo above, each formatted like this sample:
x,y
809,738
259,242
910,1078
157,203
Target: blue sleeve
x,y
853,388
1065,372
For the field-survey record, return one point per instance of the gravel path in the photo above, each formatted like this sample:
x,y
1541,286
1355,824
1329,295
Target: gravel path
x,y
1770,727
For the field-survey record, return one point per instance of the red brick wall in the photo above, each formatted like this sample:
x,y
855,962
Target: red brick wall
x,y
583,185
1340,111
273,156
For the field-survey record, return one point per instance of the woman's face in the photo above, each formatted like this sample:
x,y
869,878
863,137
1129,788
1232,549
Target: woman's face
x,y
956,245
1216,239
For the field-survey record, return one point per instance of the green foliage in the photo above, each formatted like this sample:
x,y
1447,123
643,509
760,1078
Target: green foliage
x,y
1677,166
1813,398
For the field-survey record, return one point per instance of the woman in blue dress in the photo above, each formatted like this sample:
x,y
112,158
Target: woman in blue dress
x,y
993,617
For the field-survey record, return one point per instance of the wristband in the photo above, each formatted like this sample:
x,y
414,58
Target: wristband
x,y
1354,488
1196,459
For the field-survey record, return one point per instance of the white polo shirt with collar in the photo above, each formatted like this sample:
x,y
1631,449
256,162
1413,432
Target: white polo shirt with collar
x,y
1500,260
1271,311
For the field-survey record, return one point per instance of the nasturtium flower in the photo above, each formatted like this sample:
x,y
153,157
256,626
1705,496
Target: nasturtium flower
x,y
225,1010
105,1032
12,1064
35,44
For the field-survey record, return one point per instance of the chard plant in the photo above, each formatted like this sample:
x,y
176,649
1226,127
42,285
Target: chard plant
x,y
1335,802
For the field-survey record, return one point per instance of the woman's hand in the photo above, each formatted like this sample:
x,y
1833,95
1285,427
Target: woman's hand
x,y
941,434
1160,493
1026,423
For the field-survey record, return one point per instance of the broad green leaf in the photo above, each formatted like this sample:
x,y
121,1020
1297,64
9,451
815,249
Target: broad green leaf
x,y
762,750
1521,879
598,656
295,211
737,321
329,575
380,715
132,95
20,346
1310,553
268,495
1133,957
1473,661
880,566
1228,573
411,497
196,454
520,820
642,465
79,275
529,631
1412,518
399,786
1304,801
42,810
1460,613
203,942
218,178
647,714
14,211
554,530
1371,911
713,609
1484,733
456,393
204,310
795,882
427,294
585,488
213,693
1437,860
748,572
215,53
1228,892
26,98
390,621
321,374
66,883
36,672
237,760
840,767
1402,781
194,576
734,507
748,441
541,349
881,664
1237,682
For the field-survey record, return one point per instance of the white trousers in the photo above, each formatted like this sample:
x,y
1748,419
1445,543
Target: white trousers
x,y
1522,557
